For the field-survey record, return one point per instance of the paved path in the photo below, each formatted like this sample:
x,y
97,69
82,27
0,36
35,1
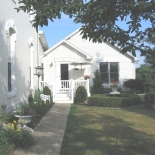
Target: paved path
x,y
49,132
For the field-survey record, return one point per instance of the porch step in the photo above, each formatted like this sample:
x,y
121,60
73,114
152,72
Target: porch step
x,y
62,98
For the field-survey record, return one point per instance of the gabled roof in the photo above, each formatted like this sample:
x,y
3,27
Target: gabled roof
x,y
127,53
69,44
88,56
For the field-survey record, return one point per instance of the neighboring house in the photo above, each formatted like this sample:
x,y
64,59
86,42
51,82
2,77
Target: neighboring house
x,y
19,44
66,63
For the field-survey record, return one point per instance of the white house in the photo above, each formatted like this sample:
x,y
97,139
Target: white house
x,y
19,48
66,63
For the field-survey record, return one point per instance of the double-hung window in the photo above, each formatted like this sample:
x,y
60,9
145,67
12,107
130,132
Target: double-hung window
x,y
109,72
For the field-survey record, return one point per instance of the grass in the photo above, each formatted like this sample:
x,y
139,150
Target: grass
x,y
103,131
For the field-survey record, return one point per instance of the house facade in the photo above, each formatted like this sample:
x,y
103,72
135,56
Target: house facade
x,y
19,49
68,63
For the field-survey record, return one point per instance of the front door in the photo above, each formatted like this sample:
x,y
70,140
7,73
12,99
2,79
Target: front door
x,y
64,72
64,75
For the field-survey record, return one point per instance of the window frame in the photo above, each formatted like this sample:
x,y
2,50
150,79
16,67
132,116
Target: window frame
x,y
11,35
109,71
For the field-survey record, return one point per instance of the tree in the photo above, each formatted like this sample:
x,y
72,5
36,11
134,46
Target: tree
x,y
97,87
146,72
147,75
99,19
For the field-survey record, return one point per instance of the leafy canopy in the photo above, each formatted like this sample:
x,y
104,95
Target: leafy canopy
x,y
99,19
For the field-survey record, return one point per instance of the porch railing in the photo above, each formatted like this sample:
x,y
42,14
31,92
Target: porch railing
x,y
66,86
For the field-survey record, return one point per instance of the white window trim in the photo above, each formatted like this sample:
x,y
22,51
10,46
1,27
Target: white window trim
x,y
31,49
109,83
11,35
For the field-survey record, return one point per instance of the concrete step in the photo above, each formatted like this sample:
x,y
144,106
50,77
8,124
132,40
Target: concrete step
x,y
63,97
58,101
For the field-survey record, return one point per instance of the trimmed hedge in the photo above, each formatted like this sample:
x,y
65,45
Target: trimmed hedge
x,y
117,102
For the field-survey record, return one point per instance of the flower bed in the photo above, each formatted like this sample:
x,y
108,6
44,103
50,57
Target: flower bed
x,y
12,133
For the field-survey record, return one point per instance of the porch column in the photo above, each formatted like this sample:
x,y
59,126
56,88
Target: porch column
x,y
88,92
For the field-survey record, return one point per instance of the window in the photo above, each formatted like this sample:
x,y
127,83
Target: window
x,y
109,72
9,77
11,35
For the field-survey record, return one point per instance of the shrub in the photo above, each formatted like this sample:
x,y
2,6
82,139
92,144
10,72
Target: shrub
x,y
107,90
47,91
30,98
20,138
97,87
106,101
4,142
136,85
37,96
81,94
150,97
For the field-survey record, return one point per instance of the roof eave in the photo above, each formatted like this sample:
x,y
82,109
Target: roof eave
x,y
43,40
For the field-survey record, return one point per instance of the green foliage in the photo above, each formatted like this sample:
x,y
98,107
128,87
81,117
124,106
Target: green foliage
x,y
114,85
136,85
107,90
30,98
4,141
37,96
150,97
102,23
147,73
97,87
81,94
117,102
47,91
21,139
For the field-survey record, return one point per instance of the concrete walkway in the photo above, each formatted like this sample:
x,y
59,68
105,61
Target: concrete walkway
x,y
49,132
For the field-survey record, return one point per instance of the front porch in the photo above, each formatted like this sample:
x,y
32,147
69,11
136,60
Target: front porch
x,y
63,91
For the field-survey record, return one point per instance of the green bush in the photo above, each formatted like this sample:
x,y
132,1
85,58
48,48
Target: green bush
x,y
37,96
107,90
4,141
135,85
81,94
30,98
47,91
97,87
106,101
150,97
21,139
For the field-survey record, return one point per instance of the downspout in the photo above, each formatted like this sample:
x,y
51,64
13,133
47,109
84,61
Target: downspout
x,y
38,47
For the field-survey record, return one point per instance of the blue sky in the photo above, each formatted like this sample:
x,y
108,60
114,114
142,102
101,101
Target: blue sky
x,y
59,29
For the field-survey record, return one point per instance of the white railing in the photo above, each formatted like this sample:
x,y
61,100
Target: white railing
x,y
43,84
63,85
66,86
84,83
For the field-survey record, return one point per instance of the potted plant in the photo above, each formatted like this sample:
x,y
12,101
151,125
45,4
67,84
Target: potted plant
x,y
114,86
24,113
86,77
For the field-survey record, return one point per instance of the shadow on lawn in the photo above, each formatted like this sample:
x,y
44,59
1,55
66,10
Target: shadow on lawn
x,y
142,110
102,134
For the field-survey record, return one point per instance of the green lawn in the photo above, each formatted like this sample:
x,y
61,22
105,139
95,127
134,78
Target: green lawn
x,y
102,131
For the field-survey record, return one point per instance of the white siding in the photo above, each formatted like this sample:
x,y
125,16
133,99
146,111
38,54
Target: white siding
x,y
104,52
22,70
